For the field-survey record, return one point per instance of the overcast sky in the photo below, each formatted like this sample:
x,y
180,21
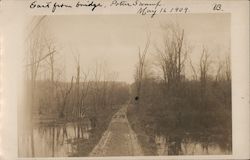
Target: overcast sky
x,y
114,39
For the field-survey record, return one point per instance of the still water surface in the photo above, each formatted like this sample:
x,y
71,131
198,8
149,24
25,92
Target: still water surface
x,y
62,140
187,146
55,141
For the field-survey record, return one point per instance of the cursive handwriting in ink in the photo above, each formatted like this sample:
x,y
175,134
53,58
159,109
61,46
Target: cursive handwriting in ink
x,y
147,11
124,3
89,4
152,4
129,3
34,4
57,5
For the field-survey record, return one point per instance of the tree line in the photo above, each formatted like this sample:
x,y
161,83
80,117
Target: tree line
x,y
51,99
177,98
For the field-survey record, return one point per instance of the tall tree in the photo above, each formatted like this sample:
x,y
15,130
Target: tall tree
x,y
140,69
172,58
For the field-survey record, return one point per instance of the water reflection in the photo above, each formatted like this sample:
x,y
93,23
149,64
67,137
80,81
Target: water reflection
x,y
176,145
55,140
74,139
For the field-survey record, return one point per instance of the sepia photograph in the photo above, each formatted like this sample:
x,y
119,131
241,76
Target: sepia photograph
x,y
126,85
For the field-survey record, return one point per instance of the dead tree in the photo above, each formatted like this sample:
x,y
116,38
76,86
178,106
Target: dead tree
x,y
96,88
218,76
195,76
172,57
77,89
223,70
84,92
140,69
35,57
104,86
65,91
50,48
79,93
204,68
110,91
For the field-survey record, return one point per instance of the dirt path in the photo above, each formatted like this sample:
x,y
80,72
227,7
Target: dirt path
x,y
119,139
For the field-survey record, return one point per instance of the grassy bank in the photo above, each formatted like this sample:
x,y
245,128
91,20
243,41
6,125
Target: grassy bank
x,y
82,148
145,137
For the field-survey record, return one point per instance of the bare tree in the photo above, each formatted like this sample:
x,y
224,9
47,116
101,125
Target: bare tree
x,y
140,68
51,49
77,88
81,89
204,68
110,91
223,70
172,58
218,75
96,87
195,76
35,56
63,95
85,85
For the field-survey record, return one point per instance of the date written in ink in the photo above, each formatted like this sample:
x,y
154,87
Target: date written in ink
x,y
179,10
155,11
174,10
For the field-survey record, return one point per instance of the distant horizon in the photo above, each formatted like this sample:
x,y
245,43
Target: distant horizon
x,y
89,81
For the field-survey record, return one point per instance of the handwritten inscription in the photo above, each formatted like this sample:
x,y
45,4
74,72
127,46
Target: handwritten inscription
x,y
56,5
138,3
123,3
60,5
89,4
148,7
142,7
154,11
34,4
